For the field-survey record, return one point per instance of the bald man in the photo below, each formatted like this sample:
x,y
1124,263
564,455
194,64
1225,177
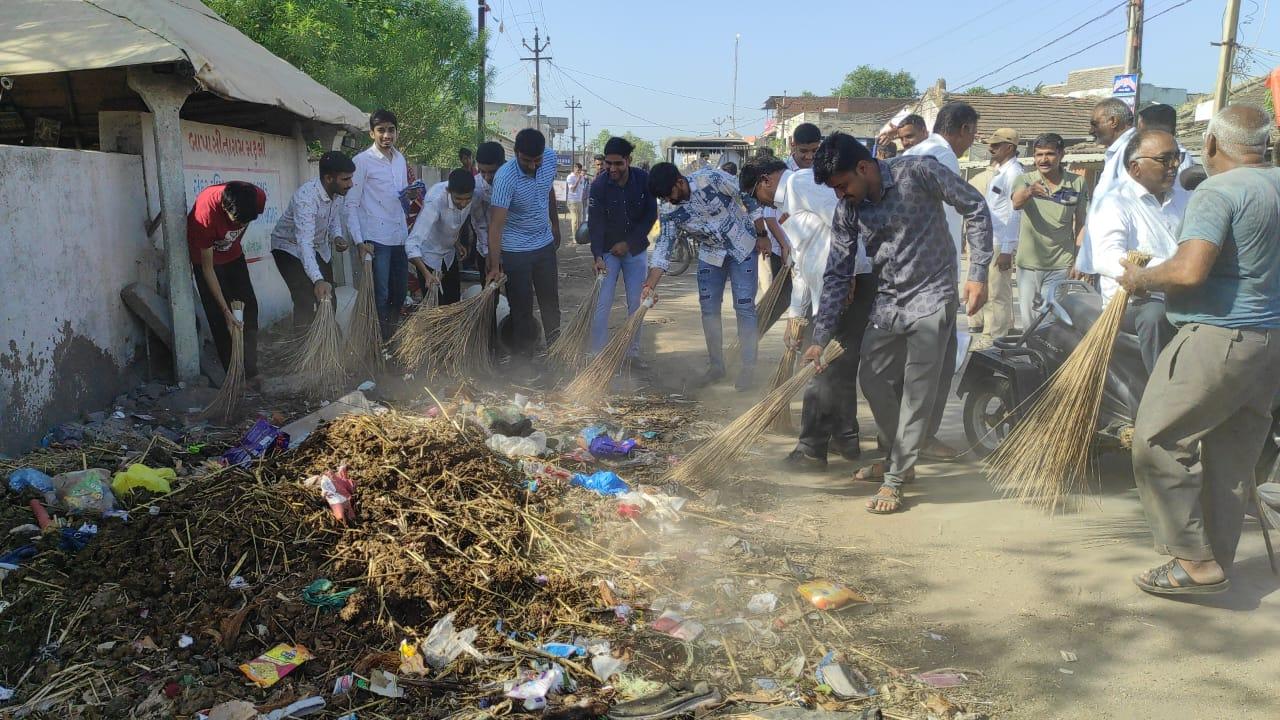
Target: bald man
x,y
1207,409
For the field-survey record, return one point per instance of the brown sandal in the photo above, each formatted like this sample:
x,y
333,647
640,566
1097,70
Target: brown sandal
x,y
893,501
871,473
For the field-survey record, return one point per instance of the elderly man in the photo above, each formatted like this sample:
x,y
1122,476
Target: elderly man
x,y
895,206
996,318
1112,126
1143,213
1207,409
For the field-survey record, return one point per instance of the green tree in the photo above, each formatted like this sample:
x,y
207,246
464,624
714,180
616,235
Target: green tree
x,y
417,58
807,93
1019,90
977,90
645,151
867,81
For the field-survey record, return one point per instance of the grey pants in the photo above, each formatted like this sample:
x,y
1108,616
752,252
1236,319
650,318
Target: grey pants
x,y
1035,287
912,358
1145,317
1199,433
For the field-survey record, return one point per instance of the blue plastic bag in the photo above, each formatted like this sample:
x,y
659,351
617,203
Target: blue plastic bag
x,y
604,482
604,446
23,478
262,439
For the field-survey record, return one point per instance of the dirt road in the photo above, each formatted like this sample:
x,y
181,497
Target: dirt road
x,y
1003,589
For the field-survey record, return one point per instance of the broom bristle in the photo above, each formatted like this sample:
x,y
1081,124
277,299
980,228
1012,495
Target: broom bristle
x,y
455,340
715,458
786,368
569,350
592,384
769,302
363,350
317,361
1044,461
224,404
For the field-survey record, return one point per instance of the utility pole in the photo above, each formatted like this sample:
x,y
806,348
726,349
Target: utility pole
x,y
733,111
537,50
1133,49
573,104
718,122
481,8
584,125
1227,57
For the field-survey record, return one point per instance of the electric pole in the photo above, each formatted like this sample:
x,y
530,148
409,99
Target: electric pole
x,y
481,8
1227,57
584,125
537,50
1133,49
718,122
733,111
573,104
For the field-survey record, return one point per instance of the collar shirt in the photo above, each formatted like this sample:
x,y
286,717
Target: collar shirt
x,y
526,199
791,163
480,214
436,232
757,210
811,209
308,226
937,147
620,213
575,187
1005,221
715,217
1131,218
374,212
907,237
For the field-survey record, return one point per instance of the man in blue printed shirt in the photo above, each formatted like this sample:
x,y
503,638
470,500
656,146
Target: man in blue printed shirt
x,y
620,213
524,234
707,205
896,208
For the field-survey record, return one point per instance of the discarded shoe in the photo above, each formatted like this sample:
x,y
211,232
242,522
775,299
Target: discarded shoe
x,y
674,700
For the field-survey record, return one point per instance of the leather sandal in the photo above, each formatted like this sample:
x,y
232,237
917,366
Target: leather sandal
x,y
1158,581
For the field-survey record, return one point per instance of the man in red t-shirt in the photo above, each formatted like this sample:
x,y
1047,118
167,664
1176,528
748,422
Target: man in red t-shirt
x,y
215,227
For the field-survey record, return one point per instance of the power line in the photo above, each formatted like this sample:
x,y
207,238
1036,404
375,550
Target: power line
x,y
654,90
1001,5
611,104
1049,33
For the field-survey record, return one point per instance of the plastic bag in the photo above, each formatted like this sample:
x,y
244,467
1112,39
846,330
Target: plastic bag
x,y
139,475
84,491
603,446
534,692
30,478
604,482
535,444
262,439
444,644
830,595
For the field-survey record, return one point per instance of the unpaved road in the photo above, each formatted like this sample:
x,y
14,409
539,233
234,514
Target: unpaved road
x,y
1005,587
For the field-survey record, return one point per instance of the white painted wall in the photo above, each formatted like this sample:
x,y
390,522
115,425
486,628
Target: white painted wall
x,y
71,237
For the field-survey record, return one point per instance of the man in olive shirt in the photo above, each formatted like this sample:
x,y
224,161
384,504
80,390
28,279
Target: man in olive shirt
x,y
1053,204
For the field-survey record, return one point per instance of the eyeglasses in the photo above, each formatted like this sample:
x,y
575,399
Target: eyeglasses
x,y
1170,160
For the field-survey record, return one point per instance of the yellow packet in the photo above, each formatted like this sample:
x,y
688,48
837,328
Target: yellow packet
x,y
829,595
267,669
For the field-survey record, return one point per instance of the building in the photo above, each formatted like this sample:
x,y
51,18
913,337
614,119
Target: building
x,y
1096,83
1193,116
510,118
860,117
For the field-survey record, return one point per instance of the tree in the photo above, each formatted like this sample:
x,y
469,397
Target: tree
x,y
1018,90
645,151
866,81
417,58
977,90
807,93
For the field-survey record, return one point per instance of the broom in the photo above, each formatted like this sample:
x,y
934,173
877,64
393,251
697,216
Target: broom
x,y
431,295
1045,459
568,349
317,361
713,460
363,350
786,368
232,391
455,340
764,309
592,383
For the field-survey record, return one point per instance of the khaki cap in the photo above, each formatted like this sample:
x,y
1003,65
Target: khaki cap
x,y
1003,135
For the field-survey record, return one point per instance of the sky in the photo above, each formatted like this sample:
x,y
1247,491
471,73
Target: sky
x,y
659,68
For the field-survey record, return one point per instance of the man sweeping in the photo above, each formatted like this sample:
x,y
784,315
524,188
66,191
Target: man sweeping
x,y
707,205
896,207
489,157
378,221
434,247
308,232
1207,408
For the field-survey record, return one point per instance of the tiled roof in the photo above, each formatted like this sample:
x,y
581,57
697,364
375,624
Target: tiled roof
x,y
1191,132
1031,115
795,105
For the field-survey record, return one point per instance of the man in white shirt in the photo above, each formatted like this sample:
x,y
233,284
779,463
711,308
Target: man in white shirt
x,y
910,132
575,194
489,157
805,140
996,317
1112,126
377,219
308,232
1143,213
433,245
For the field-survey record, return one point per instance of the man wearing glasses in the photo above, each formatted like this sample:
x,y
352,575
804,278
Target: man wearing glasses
x,y
1143,213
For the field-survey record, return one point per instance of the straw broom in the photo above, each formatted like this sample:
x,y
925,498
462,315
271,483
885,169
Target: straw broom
x,y
712,462
568,350
772,296
363,350
1045,459
232,391
456,340
592,383
787,368
317,361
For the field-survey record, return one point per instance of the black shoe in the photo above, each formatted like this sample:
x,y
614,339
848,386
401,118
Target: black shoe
x,y
710,377
804,462
849,449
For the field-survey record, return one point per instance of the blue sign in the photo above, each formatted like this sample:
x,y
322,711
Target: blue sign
x,y
1125,85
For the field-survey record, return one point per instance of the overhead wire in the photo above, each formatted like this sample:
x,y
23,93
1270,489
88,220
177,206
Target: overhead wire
x,y
1039,40
613,105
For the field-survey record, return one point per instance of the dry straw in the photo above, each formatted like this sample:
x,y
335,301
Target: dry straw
x,y
712,462
569,350
455,340
363,351
317,361
592,384
772,296
1044,461
787,368
232,391
431,293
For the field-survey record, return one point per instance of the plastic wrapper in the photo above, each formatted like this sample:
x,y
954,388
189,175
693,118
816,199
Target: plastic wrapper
x,y
267,669
84,491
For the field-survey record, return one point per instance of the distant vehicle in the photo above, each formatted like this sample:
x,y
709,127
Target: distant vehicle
x,y
692,153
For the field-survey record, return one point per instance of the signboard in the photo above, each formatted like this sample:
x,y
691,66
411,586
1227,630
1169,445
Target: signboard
x,y
564,158
1125,87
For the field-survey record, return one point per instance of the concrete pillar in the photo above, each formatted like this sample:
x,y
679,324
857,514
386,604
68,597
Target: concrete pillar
x,y
164,95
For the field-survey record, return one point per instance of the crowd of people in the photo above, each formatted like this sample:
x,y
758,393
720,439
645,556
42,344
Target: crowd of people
x,y
874,238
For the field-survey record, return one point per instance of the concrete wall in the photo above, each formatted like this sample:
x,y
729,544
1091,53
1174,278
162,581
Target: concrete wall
x,y
71,236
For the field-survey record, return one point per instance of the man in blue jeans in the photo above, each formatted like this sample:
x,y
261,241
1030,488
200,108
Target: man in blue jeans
x,y
707,205
524,234
620,212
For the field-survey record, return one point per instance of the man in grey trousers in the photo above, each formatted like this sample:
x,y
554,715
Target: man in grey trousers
x,y
1206,412
895,206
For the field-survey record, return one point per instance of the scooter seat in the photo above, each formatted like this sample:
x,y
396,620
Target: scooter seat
x,y
1084,309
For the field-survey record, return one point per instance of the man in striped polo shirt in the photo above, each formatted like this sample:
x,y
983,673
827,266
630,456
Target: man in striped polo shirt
x,y
524,234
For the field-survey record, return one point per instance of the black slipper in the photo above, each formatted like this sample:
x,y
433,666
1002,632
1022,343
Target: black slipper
x,y
672,701
1160,584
